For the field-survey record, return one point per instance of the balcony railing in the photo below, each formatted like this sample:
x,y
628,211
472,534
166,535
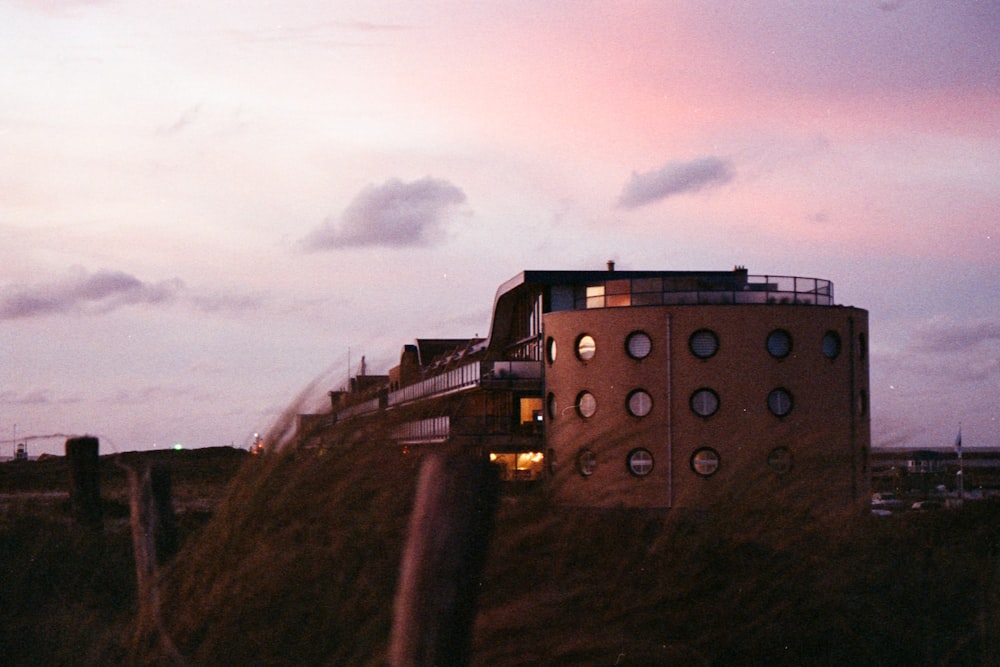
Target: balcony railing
x,y
658,291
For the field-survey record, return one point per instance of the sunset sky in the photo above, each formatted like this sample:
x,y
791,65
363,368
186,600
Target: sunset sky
x,y
206,206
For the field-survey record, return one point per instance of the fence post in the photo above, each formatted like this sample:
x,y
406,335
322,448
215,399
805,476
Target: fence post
x,y
445,551
154,526
82,454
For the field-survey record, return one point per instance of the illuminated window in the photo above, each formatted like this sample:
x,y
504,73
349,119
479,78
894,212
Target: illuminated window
x,y
595,296
585,347
550,349
703,343
705,461
586,462
780,460
704,402
586,404
831,345
779,402
638,344
640,462
640,403
779,343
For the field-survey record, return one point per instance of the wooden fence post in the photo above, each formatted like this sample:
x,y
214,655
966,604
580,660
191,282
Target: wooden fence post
x,y
82,454
154,525
445,551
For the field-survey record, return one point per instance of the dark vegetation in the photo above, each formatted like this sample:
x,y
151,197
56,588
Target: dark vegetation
x,y
298,564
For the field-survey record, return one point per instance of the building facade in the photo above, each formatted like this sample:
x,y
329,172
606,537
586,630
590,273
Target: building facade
x,y
652,389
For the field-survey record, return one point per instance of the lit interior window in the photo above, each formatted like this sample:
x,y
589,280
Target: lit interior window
x,y
586,347
703,343
705,461
519,466
704,402
831,345
779,401
779,343
595,296
638,344
586,462
640,403
640,462
586,404
550,349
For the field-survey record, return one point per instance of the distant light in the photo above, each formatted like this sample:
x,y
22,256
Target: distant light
x,y
178,446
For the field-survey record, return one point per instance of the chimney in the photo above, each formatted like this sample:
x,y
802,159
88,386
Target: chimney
x,y
611,265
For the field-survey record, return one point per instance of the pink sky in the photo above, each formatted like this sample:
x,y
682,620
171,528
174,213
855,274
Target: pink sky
x,y
193,197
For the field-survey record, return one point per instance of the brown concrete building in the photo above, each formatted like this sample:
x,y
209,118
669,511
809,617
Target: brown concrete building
x,y
646,388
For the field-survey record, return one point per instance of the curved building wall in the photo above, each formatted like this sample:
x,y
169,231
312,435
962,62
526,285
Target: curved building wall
x,y
769,421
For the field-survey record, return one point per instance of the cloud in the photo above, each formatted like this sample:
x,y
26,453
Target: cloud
x,y
674,178
394,214
84,292
941,335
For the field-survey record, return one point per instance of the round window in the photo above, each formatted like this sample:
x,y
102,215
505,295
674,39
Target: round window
x,y
779,401
640,462
585,347
586,462
779,343
550,349
780,460
831,345
586,404
703,343
552,406
704,402
640,403
638,344
705,461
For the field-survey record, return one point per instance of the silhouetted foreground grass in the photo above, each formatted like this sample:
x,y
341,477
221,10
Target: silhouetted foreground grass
x,y
298,566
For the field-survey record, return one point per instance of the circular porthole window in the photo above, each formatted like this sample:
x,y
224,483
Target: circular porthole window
x,y
586,404
831,345
779,343
705,461
704,402
779,402
640,462
640,403
638,344
550,349
780,460
552,405
703,343
586,462
585,347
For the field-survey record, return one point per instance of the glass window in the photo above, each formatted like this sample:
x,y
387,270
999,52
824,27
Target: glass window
x,y
550,349
586,462
638,344
595,296
704,402
703,343
779,343
586,347
586,404
640,462
640,403
831,345
779,401
705,461
780,460
552,405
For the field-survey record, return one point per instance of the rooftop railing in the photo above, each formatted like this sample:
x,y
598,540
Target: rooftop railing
x,y
698,290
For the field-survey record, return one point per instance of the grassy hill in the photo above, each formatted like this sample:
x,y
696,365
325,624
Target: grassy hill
x,y
297,565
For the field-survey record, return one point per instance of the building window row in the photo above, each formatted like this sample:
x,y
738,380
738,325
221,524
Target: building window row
x,y
705,461
703,344
704,402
